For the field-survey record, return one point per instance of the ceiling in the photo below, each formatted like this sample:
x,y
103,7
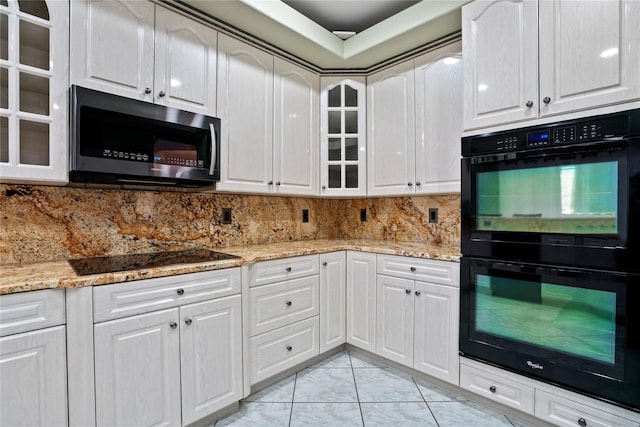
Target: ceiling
x,y
384,28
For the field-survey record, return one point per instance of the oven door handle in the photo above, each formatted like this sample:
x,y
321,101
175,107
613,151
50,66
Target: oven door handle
x,y
214,148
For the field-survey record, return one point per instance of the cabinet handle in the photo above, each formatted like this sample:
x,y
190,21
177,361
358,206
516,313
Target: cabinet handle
x,y
407,291
289,348
529,104
288,303
410,184
324,264
413,269
546,100
324,187
288,269
418,183
180,291
270,183
173,325
161,94
147,90
582,422
187,321
278,183
417,293
492,389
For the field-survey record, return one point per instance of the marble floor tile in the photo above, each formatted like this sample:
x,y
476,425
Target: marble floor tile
x,y
325,385
326,415
405,414
279,392
361,361
258,414
385,385
433,393
338,360
456,414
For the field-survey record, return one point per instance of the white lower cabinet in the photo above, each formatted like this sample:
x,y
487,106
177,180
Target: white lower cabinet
x,y
172,366
361,300
333,300
417,322
33,361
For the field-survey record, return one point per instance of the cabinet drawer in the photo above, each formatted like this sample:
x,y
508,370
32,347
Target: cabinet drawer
x,y
279,270
498,388
283,348
142,296
28,311
564,412
281,304
425,270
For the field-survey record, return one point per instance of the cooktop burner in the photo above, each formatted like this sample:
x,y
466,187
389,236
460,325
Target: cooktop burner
x,y
110,264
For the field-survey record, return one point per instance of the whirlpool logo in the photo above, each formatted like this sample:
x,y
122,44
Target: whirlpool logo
x,y
534,365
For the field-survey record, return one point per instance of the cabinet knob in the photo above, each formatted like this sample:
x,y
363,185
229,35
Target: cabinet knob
x,y
417,293
529,104
161,94
324,187
410,184
407,291
180,291
412,269
289,348
418,183
324,264
147,90
270,183
173,325
492,389
278,183
288,303
187,321
288,269
546,100
582,422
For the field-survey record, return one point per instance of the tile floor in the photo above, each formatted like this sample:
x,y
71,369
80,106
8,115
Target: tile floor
x,y
349,389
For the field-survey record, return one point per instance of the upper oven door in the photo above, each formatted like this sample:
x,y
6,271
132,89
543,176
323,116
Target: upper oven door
x,y
516,204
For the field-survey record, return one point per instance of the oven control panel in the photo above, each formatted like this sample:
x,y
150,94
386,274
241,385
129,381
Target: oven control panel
x,y
612,126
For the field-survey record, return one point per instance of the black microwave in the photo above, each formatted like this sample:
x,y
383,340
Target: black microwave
x,y
117,140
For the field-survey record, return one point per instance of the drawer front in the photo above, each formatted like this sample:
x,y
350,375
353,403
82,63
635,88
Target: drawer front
x,y
565,412
281,304
28,311
279,270
510,393
425,270
283,348
143,296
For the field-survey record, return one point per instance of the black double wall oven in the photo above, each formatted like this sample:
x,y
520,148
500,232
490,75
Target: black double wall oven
x,y
550,273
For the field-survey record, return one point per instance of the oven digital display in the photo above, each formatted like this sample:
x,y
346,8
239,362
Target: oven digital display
x,y
538,138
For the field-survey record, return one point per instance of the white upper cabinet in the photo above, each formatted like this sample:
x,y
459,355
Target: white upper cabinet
x,y
343,137
586,57
296,132
34,77
245,106
146,52
391,131
439,85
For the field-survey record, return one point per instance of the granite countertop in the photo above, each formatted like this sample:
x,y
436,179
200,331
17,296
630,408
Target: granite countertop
x,y
59,274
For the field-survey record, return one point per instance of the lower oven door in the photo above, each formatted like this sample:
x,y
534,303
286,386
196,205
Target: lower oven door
x,y
574,327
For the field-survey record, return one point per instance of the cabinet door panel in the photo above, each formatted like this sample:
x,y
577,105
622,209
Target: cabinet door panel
x,y
436,331
361,300
245,105
395,313
333,294
588,54
112,46
34,378
391,131
185,63
295,159
500,50
211,356
137,362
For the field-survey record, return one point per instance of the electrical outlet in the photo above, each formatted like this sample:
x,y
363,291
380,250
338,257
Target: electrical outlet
x,y
305,215
363,214
226,215
433,215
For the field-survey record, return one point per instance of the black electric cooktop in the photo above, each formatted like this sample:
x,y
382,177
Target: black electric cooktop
x,y
114,263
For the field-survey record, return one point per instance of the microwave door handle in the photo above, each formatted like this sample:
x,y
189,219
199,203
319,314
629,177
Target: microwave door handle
x,y
214,146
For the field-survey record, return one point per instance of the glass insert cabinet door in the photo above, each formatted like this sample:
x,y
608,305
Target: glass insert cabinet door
x,y
33,99
343,136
